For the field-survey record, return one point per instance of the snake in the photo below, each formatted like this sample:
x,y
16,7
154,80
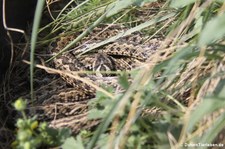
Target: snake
x,y
63,102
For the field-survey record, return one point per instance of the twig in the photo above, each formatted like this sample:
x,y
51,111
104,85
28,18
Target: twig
x,y
69,74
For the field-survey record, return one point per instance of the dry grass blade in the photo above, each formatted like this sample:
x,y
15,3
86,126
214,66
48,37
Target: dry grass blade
x,y
69,74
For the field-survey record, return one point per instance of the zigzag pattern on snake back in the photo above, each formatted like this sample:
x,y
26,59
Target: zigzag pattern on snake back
x,y
65,103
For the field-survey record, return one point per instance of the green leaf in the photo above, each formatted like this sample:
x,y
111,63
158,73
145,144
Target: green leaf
x,y
220,1
214,130
119,5
96,113
214,30
104,124
208,106
142,2
123,80
199,24
55,136
36,24
220,89
71,143
180,3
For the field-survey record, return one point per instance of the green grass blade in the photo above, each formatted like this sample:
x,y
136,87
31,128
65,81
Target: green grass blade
x,y
37,19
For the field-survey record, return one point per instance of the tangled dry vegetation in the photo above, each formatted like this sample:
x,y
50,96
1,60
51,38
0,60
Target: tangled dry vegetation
x,y
175,98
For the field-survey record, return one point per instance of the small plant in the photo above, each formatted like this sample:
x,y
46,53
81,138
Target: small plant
x,y
31,134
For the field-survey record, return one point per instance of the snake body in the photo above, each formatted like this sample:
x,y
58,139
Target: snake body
x,y
65,103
